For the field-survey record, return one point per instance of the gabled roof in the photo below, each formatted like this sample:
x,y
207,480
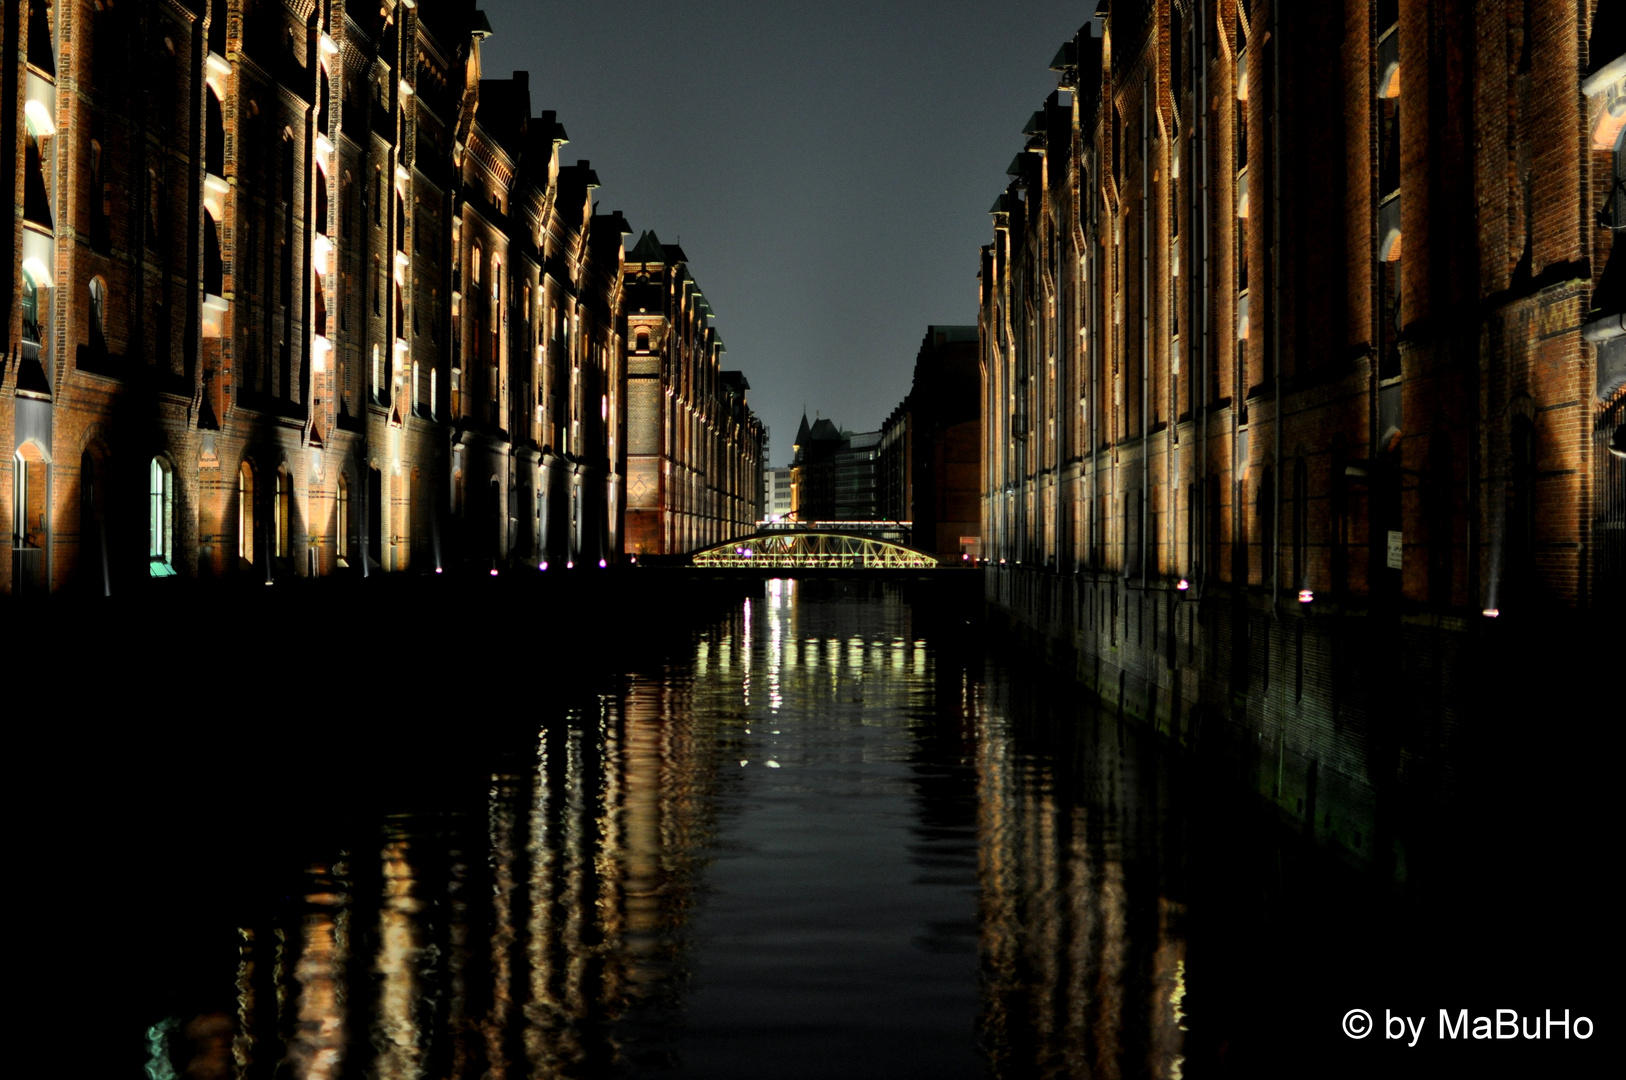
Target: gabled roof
x,y
648,249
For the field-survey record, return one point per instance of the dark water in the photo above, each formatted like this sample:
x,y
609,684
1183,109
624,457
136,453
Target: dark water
x,y
828,836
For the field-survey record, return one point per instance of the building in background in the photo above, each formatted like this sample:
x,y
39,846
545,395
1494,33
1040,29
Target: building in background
x,y
1296,332
695,449
776,494
294,293
834,473
930,454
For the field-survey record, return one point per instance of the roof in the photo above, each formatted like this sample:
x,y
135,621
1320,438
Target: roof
x,y
648,249
824,430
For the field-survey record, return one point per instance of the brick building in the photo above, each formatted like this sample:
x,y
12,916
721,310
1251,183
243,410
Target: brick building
x,y
694,448
930,453
295,290
1290,331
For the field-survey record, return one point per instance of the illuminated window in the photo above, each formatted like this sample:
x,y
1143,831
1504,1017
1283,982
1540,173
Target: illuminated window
x,y
245,515
160,518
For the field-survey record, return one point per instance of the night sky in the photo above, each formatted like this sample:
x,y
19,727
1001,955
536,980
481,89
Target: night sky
x,y
827,167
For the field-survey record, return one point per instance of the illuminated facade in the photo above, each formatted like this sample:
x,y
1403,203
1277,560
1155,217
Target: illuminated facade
x,y
1295,337
295,291
694,448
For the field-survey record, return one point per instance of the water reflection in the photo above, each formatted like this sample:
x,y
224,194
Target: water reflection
x,y
818,844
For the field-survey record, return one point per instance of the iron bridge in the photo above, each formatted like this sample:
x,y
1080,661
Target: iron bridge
x,y
821,549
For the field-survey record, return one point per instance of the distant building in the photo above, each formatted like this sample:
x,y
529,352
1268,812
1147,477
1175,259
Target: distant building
x,y
776,494
833,473
854,477
931,444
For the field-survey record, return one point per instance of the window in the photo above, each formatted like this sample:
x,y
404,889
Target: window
x,y
98,316
160,518
343,515
31,309
281,513
245,515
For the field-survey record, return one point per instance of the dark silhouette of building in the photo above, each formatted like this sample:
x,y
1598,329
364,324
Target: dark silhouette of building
x,y
834,473
930,456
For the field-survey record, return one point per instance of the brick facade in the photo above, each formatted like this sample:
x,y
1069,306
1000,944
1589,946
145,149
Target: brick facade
x,y
295,290
695,449
1288,367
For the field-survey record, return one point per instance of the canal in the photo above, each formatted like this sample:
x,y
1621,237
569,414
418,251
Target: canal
x,y
823,832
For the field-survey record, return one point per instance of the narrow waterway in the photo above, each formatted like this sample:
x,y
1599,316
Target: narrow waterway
x,y
829,836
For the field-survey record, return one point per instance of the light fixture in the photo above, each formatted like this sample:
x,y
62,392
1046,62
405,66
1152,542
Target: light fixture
x,y
1617,444
1491,613
1182,585
602,564
543,565
570,564
493,571
1305,596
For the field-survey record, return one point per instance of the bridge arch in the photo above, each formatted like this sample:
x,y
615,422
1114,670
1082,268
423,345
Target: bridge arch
x,y
813,550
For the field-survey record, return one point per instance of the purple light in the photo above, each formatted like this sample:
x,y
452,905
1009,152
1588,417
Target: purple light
x,y
602,564
1305,596
493,571
437,569
543,565
570,564
1182,585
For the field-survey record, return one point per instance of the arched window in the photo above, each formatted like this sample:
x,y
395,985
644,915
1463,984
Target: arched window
x,y
160,518
245,516
474,265
643,341
98,316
